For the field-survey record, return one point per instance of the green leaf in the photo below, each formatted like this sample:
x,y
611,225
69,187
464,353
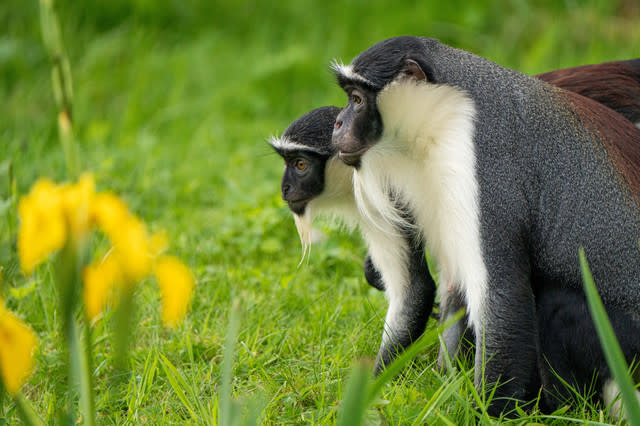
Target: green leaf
x,y
611,347
178,384
354,404
411,352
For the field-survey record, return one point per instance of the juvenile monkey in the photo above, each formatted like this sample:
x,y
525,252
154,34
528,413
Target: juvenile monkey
x,y
315,181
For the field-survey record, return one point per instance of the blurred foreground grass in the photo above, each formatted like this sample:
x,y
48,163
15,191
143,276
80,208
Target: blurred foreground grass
x,y
173,101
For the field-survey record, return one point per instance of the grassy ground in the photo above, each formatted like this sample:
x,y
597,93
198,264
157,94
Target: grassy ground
x,y
173,104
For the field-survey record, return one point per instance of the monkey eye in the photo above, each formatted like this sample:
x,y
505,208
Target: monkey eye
x,y
300,164
356,99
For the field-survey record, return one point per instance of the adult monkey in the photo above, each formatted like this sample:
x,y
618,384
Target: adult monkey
x,y
506,177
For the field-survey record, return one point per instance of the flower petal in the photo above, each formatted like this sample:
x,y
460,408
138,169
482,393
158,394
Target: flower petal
x,y
99,280
176,288
76,202
17,343
43,227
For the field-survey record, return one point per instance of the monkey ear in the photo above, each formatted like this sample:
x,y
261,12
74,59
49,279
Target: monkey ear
x,y
412,69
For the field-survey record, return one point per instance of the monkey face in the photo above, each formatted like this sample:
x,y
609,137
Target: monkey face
x,y
303,179
305,147
358,126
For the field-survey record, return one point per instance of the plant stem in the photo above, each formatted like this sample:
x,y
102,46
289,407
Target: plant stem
x,y
84,372
26,411
61,82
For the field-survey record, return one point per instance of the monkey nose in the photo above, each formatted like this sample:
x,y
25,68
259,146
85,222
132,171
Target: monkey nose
x,y
337,125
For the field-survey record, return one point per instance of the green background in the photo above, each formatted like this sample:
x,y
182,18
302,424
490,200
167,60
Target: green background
x,y
173,103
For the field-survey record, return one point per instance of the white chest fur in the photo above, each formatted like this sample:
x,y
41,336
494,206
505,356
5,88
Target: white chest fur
x,y
427,155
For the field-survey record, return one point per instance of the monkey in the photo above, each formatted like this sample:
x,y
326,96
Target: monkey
x,y
311,133
316,181
506,177
306,145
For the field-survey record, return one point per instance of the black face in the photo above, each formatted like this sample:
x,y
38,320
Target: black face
x,y
303,178
306,147
358,126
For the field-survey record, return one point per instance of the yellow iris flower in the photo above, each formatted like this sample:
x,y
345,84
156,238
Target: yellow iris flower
x,y
176,287
109,212
52,216
133,250
43,228
76,201
99,280
17,344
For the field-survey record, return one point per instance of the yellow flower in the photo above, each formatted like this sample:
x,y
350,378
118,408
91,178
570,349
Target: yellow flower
x,y
99,281
176,287
43,227
127,233
108,212
17,343
76,203
131,244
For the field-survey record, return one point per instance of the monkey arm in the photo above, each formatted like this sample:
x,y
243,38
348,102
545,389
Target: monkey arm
x,y
410,301
372,274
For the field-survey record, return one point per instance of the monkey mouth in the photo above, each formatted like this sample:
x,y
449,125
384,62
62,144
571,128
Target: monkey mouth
x,y
352,158
298,206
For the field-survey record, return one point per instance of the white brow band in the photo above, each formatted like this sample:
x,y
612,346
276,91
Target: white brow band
x,y
347,72
284,144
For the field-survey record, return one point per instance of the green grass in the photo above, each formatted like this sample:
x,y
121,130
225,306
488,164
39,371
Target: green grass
x,y
173,102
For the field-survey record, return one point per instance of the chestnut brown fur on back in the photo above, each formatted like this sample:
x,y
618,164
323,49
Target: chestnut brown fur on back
x,y
614,84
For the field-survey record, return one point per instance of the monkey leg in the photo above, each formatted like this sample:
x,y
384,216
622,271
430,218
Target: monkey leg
x,y
572,357
506,357
455,338
410,305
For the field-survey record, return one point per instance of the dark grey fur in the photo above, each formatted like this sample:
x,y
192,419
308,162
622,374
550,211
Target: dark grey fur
x,y
547,187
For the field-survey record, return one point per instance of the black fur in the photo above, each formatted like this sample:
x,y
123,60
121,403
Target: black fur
x,y
570,348
372,274
311,130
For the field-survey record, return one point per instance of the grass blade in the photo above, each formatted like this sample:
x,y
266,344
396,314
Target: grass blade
x,y
610,346
355,402
82,358
441,395
178,384
411,352
224,397
26,411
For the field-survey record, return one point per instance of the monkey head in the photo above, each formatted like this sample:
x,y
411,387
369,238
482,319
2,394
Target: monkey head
x,y
305,147
359,125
